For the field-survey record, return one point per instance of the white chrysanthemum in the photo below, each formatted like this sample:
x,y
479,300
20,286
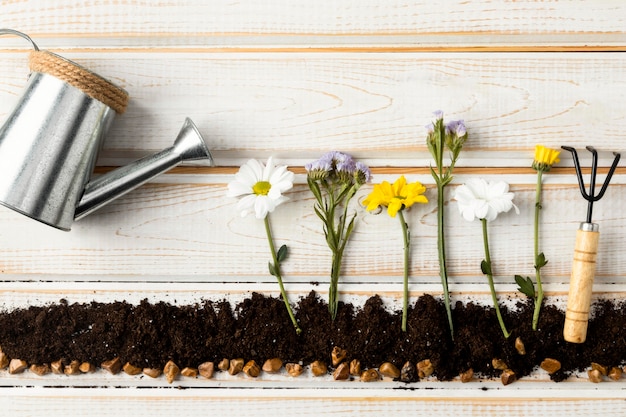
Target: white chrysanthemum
x,y
260,187
481,199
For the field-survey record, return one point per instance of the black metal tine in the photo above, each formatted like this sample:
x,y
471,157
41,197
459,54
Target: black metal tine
x,y
581,182
591,197
592,182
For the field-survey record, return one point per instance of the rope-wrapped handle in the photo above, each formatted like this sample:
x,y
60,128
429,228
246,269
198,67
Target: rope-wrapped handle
x,y
88,82
581,283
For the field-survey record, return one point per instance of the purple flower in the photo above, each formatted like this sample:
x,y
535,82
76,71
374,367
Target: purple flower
x,y
456,127
362,173
438,114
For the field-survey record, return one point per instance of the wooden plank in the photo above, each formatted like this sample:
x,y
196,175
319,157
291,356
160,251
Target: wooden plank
x,y
297,106
313,402
192,230
326,23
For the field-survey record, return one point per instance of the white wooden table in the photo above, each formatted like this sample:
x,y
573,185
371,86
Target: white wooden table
x,y
294,81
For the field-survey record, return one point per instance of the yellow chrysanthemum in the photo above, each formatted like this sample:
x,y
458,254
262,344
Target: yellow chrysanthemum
x,y
545,158
396,196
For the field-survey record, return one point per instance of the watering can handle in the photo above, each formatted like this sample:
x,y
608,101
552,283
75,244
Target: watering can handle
x,y
21,35
581,283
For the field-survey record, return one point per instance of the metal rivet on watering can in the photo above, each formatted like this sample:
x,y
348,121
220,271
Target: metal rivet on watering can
x,y
50,141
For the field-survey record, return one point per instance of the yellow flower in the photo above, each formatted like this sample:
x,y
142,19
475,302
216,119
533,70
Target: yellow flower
x,y
545,158
396,196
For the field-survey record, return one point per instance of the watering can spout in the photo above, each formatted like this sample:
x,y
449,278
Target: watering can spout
x,y
188,146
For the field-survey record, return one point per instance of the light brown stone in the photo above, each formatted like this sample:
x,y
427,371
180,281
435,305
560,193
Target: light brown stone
x,y
131,369
519,346
342,372
206,370
272,365
17,366
508,377
114,366
615,373
390,370
223,365
603,369
189,372
171,371
550,365
355,367
467,376
338,355
319,368
252,369
294,369
425,368
152,372
370,375
40,370
236,366
499,364
57,367
594,375
73,368
4,360
87,367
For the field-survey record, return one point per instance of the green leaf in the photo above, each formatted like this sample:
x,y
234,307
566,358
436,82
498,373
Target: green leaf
x,y
282,253
434,174
526,286
540,261
485,267
272,269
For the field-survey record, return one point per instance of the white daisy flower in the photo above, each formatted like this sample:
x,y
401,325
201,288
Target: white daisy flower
x,y
482,199
260,187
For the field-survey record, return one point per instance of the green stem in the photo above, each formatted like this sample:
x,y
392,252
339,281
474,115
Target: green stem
x,y
333,299
539,297
490,278
441,246
407,251
270,239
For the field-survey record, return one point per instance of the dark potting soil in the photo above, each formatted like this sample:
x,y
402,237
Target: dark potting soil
x,y
258,328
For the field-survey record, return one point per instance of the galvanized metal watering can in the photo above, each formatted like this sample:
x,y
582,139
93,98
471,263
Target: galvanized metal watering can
x,y
50,142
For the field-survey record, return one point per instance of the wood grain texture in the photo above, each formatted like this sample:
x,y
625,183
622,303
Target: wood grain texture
x,y
192,229
325,23
297,106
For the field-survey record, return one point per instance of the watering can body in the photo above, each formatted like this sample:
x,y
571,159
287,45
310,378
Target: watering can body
x,y
49,145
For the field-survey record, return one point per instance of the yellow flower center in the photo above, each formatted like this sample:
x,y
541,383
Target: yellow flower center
x,y
261,188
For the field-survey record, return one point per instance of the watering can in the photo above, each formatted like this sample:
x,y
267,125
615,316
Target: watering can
x,y
49,143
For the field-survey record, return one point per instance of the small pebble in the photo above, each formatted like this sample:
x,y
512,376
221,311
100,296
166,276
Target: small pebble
x,y
425,368
408,372
467,376
342,372
252,369
171,371
40,370
189,372
17,366
206,370
57,367
615,373
519,346
236,366
223,365
130,369
319,368
594,375
390,370
550,365
152,372
355,367
4,360
294,369
72,369
603,369
508,377
337,355
87,367
114,366
370,375
272,365
499,364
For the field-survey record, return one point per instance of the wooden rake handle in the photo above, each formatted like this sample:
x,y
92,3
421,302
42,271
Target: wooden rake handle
x,y
581,283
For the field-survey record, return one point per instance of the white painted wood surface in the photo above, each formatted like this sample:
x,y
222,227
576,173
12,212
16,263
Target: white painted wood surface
x,y
295,80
